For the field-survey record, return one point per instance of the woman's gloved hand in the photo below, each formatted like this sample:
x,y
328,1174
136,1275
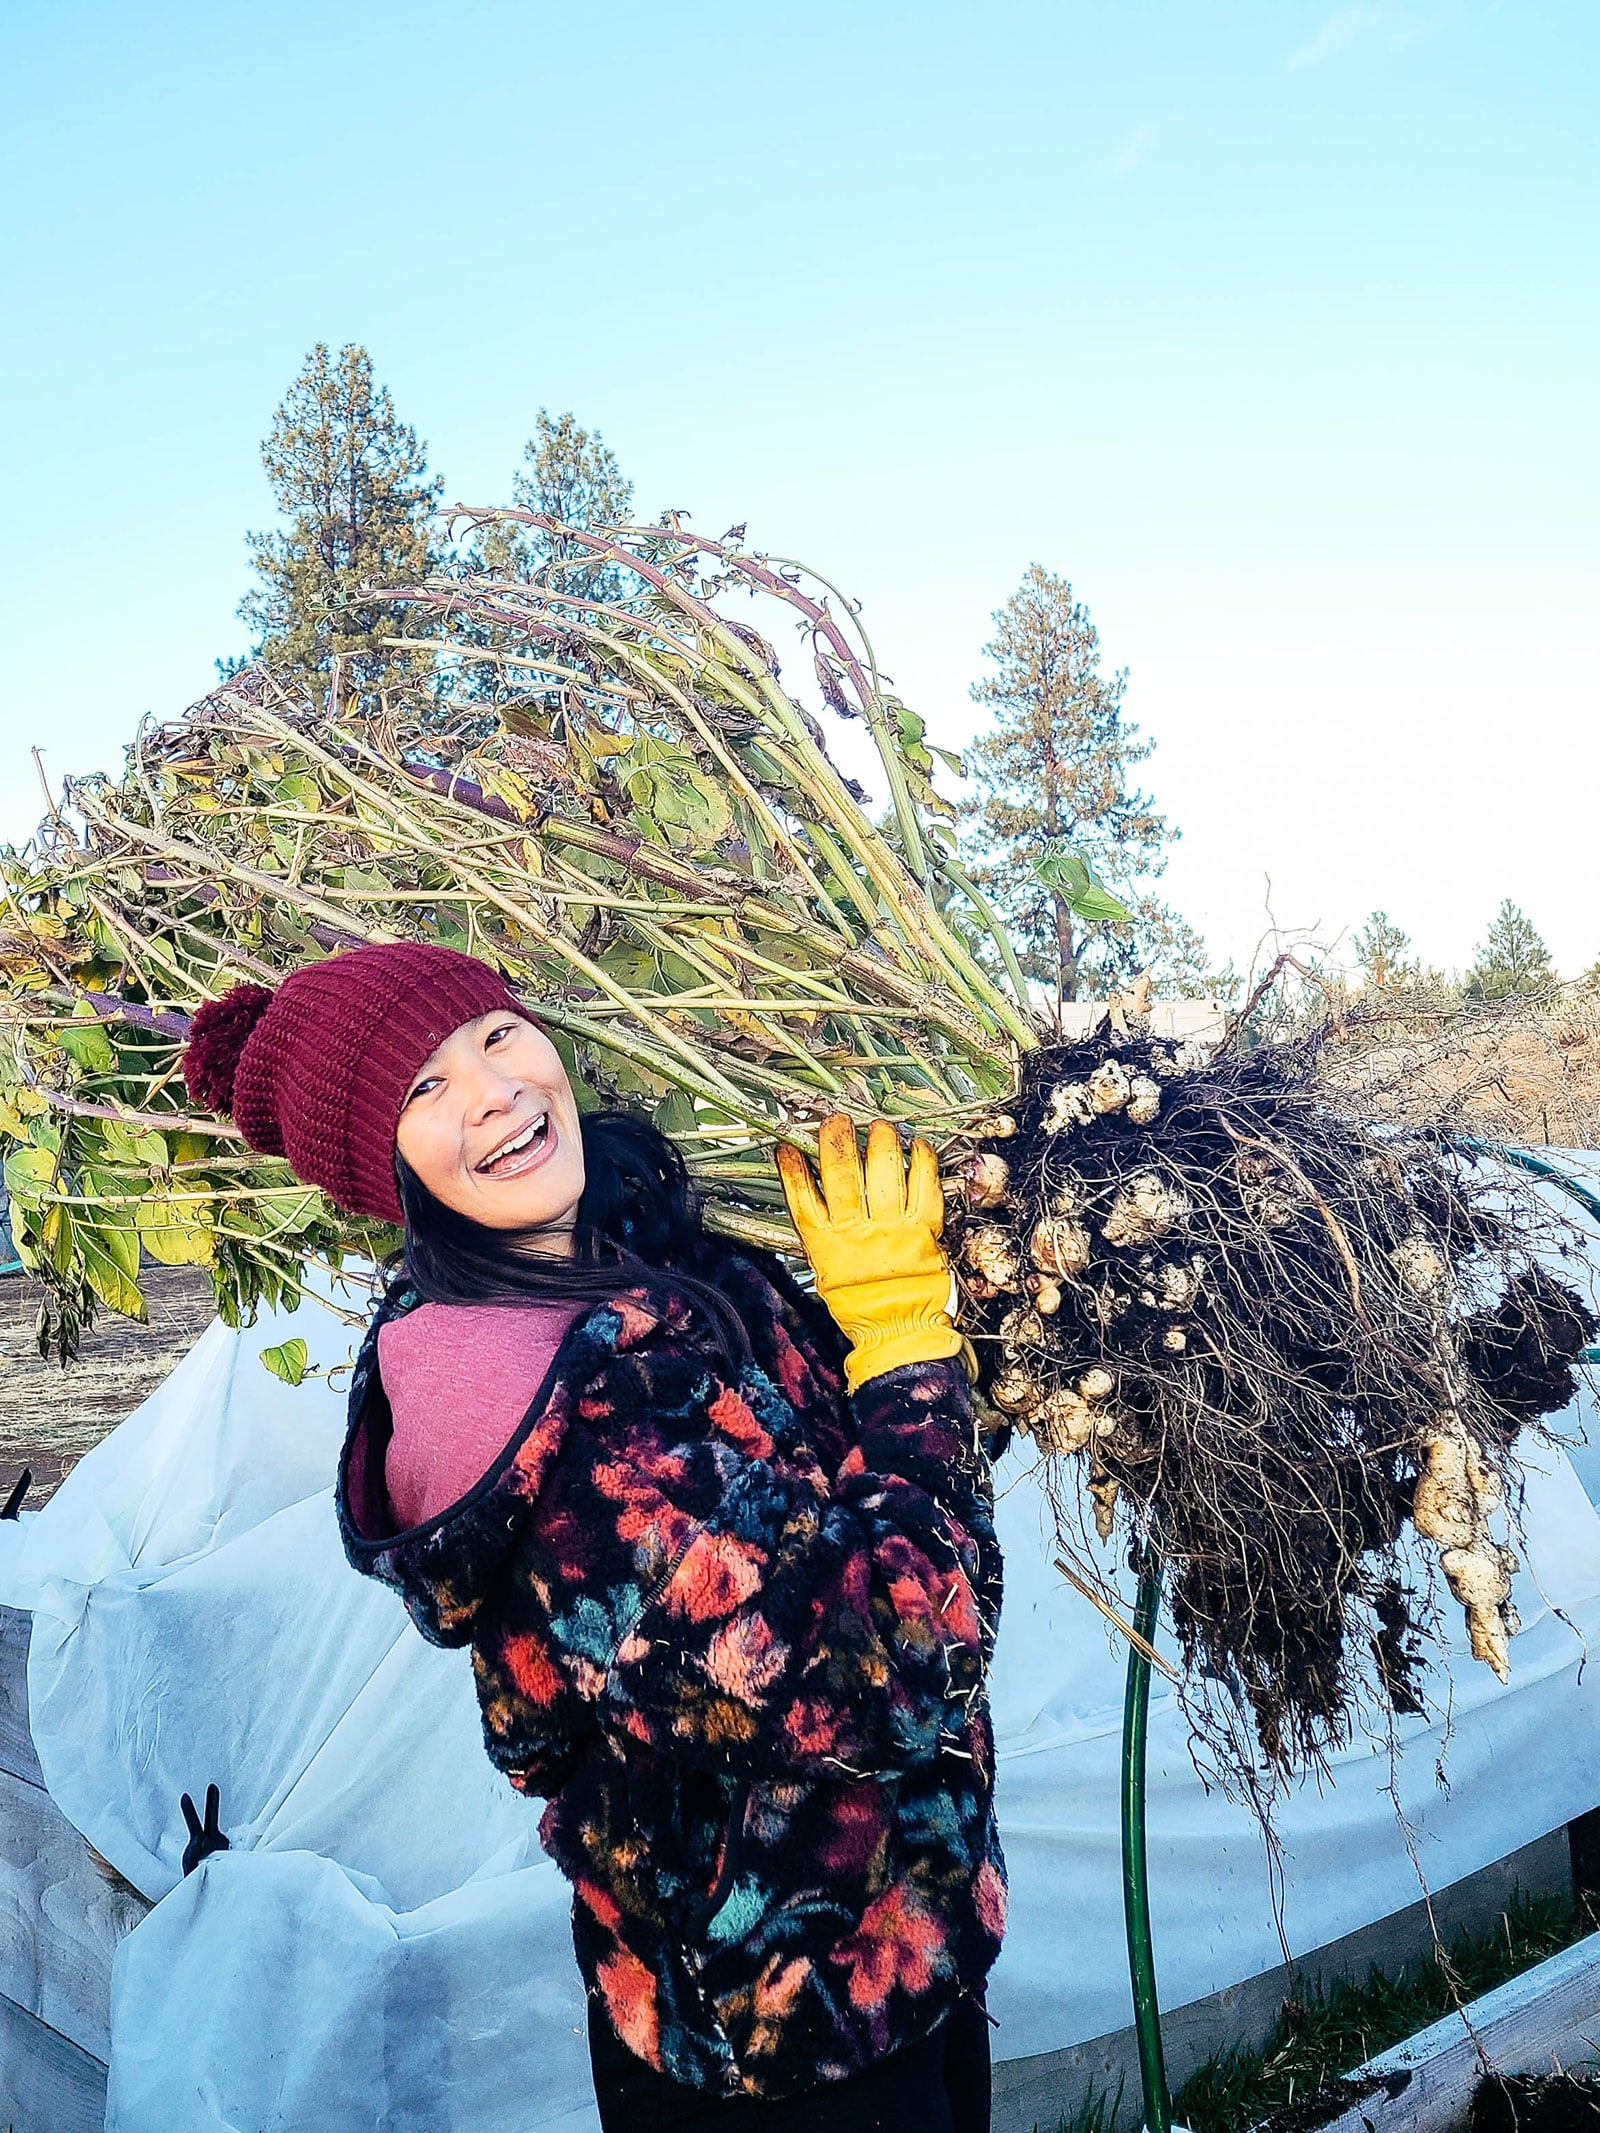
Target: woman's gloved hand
x,y
873,1244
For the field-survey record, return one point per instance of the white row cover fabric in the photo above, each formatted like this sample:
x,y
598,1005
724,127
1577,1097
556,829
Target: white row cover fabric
x,y
385,1945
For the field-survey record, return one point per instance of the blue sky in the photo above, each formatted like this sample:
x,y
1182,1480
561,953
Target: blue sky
x,y
1273,327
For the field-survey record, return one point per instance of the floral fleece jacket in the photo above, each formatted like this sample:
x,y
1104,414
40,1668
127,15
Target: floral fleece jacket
x,y
737,1635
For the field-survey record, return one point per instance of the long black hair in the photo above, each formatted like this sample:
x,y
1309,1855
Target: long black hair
x,y
638,1227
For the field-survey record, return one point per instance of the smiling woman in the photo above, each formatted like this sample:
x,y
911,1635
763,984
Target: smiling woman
x,y
725,1557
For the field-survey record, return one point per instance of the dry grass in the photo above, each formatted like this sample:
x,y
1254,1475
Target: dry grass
x,y
1526,1071
49,1416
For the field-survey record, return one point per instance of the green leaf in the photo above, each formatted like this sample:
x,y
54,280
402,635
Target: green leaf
x,y
689,808
630,966
118,1240
675,1113
112,1185
88,1044
288,1218
171,1236
1071,877
714,800
912,732
1099,907
288,1360
298,789
110,1265
29,1173
57,1240
667,790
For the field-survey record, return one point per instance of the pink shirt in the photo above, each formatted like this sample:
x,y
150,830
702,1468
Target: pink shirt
x,y
459,1378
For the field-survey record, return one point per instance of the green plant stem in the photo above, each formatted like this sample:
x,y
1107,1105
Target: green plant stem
x,y
765,1231
518,913
991,923
935,1007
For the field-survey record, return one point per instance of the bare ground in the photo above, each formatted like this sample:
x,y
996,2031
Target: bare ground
x,y
1523,1071
50,1416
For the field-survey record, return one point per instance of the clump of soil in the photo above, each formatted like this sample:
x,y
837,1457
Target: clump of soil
x,y
1307,2114
1536,2103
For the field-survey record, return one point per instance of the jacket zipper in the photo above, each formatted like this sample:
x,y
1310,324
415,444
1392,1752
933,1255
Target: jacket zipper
x,y
694,1962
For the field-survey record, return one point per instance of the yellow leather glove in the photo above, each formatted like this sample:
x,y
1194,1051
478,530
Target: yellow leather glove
x,y
873,1244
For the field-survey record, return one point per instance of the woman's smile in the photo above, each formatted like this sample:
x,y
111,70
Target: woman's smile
x,y
524,1150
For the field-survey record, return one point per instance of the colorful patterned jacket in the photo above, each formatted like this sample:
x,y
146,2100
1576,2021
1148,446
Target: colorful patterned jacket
x,y
737,1635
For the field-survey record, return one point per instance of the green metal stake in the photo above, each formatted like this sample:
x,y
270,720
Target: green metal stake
x,y
1135,1877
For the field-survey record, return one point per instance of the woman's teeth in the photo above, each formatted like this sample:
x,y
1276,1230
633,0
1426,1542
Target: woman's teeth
x,y
524,1139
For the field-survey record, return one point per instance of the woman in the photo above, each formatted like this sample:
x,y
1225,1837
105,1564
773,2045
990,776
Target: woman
x,y
725,1562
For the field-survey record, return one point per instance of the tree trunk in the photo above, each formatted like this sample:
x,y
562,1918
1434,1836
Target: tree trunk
x,y
1066,948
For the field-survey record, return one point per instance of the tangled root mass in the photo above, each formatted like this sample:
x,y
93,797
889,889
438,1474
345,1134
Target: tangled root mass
x,y
1277,1333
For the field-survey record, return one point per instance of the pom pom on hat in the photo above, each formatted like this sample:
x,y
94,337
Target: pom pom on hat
x,y
217,1038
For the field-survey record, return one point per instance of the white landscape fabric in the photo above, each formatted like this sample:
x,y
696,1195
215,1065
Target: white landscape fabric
x,y
385,1946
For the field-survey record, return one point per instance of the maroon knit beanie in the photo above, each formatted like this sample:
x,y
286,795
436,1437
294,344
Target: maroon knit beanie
x,y
318,1070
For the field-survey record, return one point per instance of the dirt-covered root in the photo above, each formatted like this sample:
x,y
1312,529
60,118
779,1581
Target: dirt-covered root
x,y
1276,1335
1567,2102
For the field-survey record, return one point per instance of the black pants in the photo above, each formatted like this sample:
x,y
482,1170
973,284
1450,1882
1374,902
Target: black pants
x,y
938,2086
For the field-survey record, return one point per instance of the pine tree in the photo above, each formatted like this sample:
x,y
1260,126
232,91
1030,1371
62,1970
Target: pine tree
x,y
1053,778
570,474
351,480
1163,942
1512,962
1383,955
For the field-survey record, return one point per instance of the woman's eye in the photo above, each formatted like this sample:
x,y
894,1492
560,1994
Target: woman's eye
x,y
494,1036
422,1088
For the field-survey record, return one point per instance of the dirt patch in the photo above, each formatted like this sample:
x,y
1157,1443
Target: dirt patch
x,y
1331,2101
50,1416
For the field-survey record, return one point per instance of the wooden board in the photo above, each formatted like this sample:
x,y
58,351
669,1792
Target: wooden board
x,y
16,1742
47,2085
60,1922
1547,2018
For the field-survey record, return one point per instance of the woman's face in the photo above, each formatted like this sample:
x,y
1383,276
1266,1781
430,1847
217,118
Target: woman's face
x,y
490,1126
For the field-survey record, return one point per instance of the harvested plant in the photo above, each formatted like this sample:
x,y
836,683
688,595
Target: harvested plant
x,y
1268,1335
